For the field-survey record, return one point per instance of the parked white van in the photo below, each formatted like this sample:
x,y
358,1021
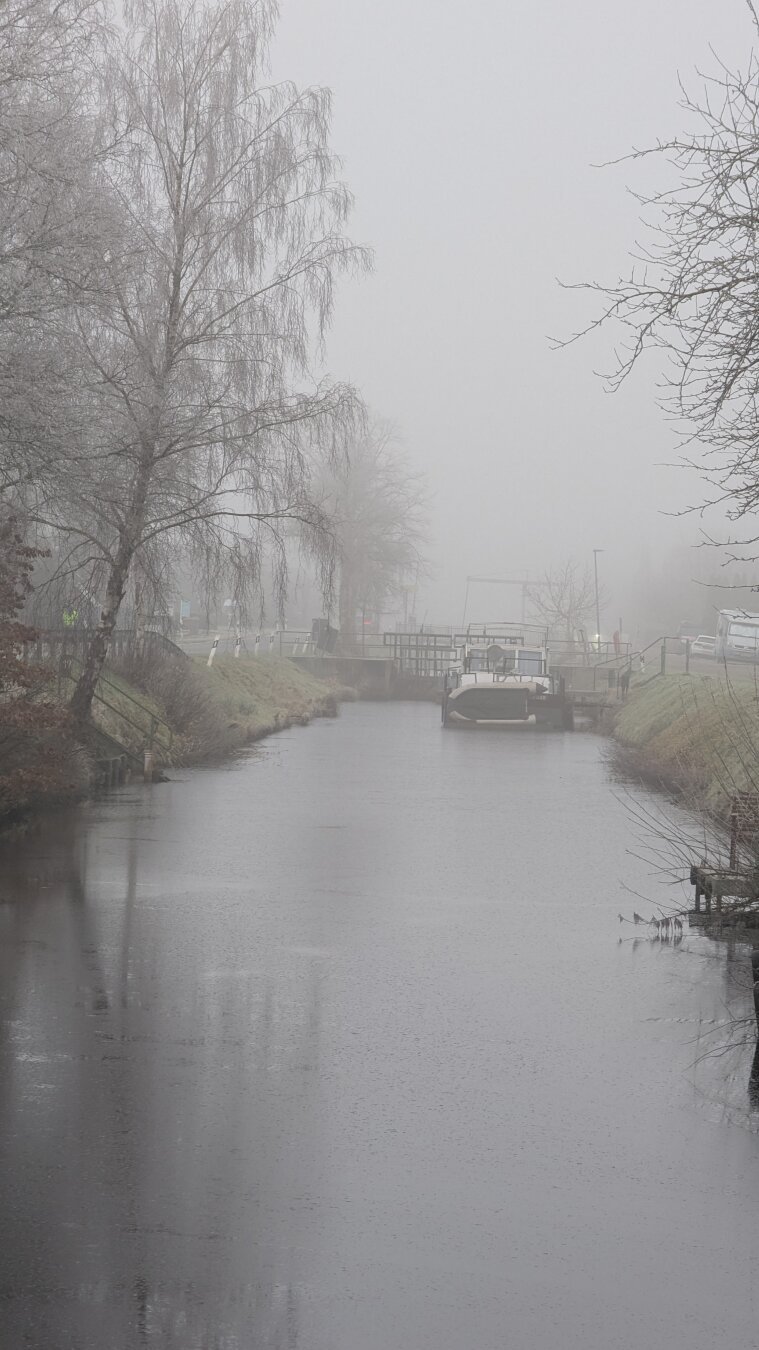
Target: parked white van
x,y
737,636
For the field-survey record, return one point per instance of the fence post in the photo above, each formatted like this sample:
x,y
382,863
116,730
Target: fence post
x,y
147,763
212,652
687,656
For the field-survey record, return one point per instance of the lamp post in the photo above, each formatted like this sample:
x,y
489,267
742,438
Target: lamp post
x,y
596,552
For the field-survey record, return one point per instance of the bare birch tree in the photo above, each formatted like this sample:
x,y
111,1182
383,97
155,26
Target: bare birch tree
x,y
201,417
377,504
693,291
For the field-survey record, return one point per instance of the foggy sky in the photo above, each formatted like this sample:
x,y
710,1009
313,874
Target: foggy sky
x,y
469,134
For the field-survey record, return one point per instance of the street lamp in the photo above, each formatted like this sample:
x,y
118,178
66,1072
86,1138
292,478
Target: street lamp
x,y
596,552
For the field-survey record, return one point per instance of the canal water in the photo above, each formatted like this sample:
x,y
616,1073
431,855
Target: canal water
x,y
342,1046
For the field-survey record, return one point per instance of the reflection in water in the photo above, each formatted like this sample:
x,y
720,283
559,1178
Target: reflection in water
x,y
753,1082
128,1105
269,1083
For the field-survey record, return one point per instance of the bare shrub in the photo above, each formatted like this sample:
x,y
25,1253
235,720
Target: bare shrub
x,y
199,725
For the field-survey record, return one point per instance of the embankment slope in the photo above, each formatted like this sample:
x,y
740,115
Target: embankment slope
x,y
259,695
185,711
695,735
213,711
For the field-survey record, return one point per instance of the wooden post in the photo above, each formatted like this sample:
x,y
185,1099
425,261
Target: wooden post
x,y
147,763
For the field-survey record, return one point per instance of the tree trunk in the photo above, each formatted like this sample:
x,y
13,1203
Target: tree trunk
x,y
139,617
97,651
347,609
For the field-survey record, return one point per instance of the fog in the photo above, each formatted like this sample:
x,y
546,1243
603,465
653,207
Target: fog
x,y
366,989
470,137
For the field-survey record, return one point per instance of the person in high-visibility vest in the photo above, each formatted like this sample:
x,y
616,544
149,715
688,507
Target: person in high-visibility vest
x,y
70,617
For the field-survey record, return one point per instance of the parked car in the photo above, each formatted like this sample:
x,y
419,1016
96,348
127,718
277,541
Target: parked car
x,y
703,645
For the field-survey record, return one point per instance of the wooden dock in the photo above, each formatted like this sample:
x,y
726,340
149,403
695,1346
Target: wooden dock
x,y
727,893
732,891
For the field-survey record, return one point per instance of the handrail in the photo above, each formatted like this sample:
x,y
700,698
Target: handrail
x,y
135,725
103,679
104,737
641,652
155,719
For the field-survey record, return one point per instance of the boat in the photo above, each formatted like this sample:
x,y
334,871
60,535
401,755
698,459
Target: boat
x,y
503,680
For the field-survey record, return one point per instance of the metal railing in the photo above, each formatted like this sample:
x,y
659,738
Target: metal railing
x,y
53,644
426,655
157,734
63,651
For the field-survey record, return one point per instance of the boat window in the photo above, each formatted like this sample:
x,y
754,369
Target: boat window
x,y
530,662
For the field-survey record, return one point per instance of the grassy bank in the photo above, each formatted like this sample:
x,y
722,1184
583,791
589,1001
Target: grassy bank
x,y
208,713
694,735
255,696
188,714
194,713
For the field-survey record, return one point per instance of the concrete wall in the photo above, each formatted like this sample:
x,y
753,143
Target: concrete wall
x,y
355,671
372,677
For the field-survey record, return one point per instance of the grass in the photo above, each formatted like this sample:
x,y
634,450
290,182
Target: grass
x,y
694,734
259,695
194,713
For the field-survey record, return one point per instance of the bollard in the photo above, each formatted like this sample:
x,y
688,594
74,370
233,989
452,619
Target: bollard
x,y
212,652
147,766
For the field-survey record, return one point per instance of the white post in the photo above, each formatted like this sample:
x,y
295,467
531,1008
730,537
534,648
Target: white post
x,y
212,652
238,643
